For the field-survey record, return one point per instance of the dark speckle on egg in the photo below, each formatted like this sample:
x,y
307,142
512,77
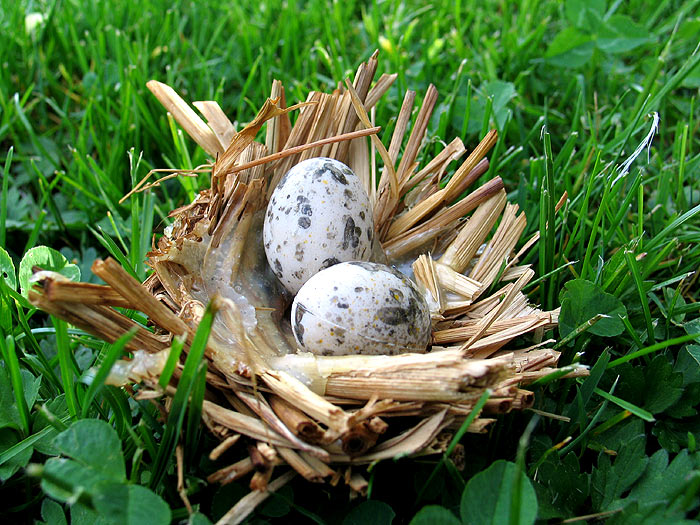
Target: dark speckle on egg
x,y
298,326
351,235
392,315
336,173
304,222
327,263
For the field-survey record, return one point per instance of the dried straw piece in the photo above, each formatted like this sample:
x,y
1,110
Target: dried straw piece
x,y
289,388
86,293
232,472
401,125
448,193
217,121
113,274
223,446
279,128
427,178
263,410
415,140
425,273
186,117
247,425
380,87
363,79
388,166
464,247
407,443
245,137
247,504
101,321
319,466
303,147
303,426
463,333
298,463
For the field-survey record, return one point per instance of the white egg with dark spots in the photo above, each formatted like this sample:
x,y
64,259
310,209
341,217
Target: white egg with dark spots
x,y
319,215
360,308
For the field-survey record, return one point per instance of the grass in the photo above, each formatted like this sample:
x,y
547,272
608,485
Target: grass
x,y
568,85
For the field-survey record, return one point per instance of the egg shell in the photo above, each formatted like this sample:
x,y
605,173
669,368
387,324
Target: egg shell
x,y
360,308
319,215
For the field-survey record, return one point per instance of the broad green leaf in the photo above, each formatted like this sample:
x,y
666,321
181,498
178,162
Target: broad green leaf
x,y
692,327
130,505
620,34
664,387
52,513
7,269
563,487
487,498
585,14
434,515
662,481
58,407
656,514
81,515
687,405
9,415
688,364
611,479
370,512
96,445
570,48
48,259
582,300
31,386
7,273
64,479
675,434
8,438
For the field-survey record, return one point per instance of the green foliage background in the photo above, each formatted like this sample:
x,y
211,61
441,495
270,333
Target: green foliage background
x,y
569,86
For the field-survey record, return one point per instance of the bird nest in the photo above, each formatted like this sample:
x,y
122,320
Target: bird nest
x,y
325,416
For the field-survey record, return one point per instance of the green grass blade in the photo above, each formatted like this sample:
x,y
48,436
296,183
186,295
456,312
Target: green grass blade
x,y
65,361
636,276
114,352
3,197
173,357
180,401
654,348
7,345
634,409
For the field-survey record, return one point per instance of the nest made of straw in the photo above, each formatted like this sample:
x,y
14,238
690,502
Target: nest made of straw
x,y
322,415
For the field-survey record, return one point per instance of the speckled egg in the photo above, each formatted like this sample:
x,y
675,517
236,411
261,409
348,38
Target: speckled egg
x,y
319,215
360,308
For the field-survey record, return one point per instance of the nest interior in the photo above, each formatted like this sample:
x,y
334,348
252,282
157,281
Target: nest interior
x,y
320,415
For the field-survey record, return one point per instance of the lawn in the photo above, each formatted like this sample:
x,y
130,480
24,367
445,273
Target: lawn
x,y
593,100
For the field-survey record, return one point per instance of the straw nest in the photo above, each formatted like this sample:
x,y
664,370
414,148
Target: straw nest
x,y
324,416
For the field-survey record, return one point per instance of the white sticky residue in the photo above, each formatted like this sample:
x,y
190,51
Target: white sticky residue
x,y
644,144
142,366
